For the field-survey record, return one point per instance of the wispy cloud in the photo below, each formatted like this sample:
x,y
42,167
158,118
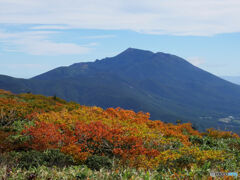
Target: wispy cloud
x,y
176,17
196,61
50,27
38,43
99,37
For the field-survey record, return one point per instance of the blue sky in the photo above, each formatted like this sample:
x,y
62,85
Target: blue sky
x,y
36,36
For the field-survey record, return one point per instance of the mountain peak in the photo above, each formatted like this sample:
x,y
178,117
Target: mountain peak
x,y
135,50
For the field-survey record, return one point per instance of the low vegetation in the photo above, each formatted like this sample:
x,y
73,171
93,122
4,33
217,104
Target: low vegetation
x,y
48,138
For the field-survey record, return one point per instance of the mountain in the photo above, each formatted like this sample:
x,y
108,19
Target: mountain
x,y
167,86
233,79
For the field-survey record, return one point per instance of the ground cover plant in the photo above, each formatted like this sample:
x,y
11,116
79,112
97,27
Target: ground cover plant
x,y
49,138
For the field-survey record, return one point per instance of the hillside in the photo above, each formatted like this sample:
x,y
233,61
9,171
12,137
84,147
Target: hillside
x,y
165,85
46,137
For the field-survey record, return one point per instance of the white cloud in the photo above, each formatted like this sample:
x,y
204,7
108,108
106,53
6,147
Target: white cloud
x,y
99,37
196,61
50,27
37,43
46,47
178,17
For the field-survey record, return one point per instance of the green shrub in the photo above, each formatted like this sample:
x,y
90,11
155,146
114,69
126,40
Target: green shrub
x,y
57,158
181,163
19,125
196,140
47,158
184,161
98,162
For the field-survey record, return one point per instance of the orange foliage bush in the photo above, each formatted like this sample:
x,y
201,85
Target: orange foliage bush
x,y
5,92
220,134
127,135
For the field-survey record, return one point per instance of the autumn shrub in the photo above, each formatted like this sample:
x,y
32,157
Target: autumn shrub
x,y
4,92
82,140
43,136
234,144
220,134
6,144
8,116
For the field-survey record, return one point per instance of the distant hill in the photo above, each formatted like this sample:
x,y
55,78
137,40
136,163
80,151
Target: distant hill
x,y
233,79
167,86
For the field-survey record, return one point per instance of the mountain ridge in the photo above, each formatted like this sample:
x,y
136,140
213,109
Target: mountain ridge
x,y
232,79
167,86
